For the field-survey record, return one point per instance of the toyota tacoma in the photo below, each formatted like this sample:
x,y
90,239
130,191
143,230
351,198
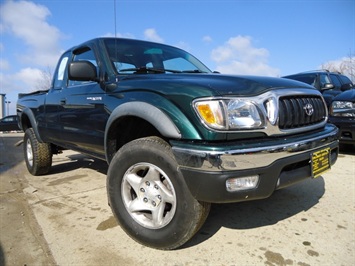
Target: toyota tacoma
x,y
176,136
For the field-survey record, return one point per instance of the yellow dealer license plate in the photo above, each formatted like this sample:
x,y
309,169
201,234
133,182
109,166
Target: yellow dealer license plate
x,y
320,162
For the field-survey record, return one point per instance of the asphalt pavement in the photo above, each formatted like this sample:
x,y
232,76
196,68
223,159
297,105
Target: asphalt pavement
x,y
63,219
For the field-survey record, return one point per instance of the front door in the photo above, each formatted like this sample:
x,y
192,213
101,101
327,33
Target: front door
x,y
82,114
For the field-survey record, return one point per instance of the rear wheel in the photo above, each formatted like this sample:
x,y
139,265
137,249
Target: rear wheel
x,y
38,156
149,197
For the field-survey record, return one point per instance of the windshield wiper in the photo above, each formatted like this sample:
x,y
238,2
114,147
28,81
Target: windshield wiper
x,y
193,71
146,70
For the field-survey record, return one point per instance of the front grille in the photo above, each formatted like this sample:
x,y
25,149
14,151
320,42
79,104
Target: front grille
x,y
293,111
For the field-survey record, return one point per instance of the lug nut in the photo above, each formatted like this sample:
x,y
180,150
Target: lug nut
x,y
147,183
145,200
142,190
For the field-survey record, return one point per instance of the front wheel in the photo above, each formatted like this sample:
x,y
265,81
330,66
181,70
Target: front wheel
x,y
149,197
38,156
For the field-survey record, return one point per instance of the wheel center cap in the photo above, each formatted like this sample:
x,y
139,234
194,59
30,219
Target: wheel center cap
x,y
150,194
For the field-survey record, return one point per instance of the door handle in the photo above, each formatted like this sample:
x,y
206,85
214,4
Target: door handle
x,y
63,101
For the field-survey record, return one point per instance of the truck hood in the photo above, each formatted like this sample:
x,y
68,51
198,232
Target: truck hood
x,y
346,96
210,84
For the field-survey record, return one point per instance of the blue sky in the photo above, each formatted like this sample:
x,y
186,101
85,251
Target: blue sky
x,y
255,37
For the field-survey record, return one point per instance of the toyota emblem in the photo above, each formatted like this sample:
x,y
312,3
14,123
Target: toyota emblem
x,y
308,109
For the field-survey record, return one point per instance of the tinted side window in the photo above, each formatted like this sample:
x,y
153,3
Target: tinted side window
x,y
85,54
336,82
324,79
345,79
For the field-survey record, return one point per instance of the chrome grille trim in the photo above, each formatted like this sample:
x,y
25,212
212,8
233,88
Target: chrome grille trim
x,y
293,111
272,127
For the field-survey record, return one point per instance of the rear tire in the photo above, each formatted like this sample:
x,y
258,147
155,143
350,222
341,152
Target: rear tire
x,y
149,197
38,156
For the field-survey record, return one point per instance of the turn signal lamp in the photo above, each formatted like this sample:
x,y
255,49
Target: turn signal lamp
x,y
211,113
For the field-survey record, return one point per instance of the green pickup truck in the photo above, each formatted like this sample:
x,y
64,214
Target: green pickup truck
x,y
176,136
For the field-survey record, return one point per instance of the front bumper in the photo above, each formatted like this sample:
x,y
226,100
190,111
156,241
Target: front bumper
x,y
346,127
279,162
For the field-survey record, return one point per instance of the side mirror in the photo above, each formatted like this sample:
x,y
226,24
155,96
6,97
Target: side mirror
x,y
346,87
327,86
82,71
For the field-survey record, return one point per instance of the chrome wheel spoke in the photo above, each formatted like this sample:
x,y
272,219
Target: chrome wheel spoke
x,y
137,205
134,181
166,193
158,215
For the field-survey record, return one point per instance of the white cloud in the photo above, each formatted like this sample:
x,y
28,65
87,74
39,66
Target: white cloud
x,y
25,80
27,21
238,56
4,64
207,39
29,76
152,35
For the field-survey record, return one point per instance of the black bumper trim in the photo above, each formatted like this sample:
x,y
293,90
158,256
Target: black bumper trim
x,y
211,186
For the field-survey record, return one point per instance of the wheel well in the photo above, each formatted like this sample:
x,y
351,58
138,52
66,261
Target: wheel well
x,y
25,122
126,129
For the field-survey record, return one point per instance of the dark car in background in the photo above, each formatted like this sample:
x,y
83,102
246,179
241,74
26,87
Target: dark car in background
x,y
342,114
330,84
9,123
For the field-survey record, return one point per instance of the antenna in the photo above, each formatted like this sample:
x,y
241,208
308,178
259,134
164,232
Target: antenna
x,y
115,21
114,14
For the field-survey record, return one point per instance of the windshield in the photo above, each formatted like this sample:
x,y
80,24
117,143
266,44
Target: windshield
x,y
136,57
306,78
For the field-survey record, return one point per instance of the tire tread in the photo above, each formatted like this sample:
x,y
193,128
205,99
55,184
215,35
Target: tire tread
x,y
42,154
197,211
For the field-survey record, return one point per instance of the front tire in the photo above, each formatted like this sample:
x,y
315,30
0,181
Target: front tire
x,y
149,197
38,156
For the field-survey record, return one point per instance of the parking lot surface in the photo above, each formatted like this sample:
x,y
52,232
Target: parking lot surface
x,y
63,219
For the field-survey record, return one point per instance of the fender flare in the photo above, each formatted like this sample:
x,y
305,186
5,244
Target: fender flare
x,y
148,112
31,117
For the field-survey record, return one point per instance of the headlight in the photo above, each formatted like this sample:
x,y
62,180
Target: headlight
x,y
243,114
229,114
342,108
